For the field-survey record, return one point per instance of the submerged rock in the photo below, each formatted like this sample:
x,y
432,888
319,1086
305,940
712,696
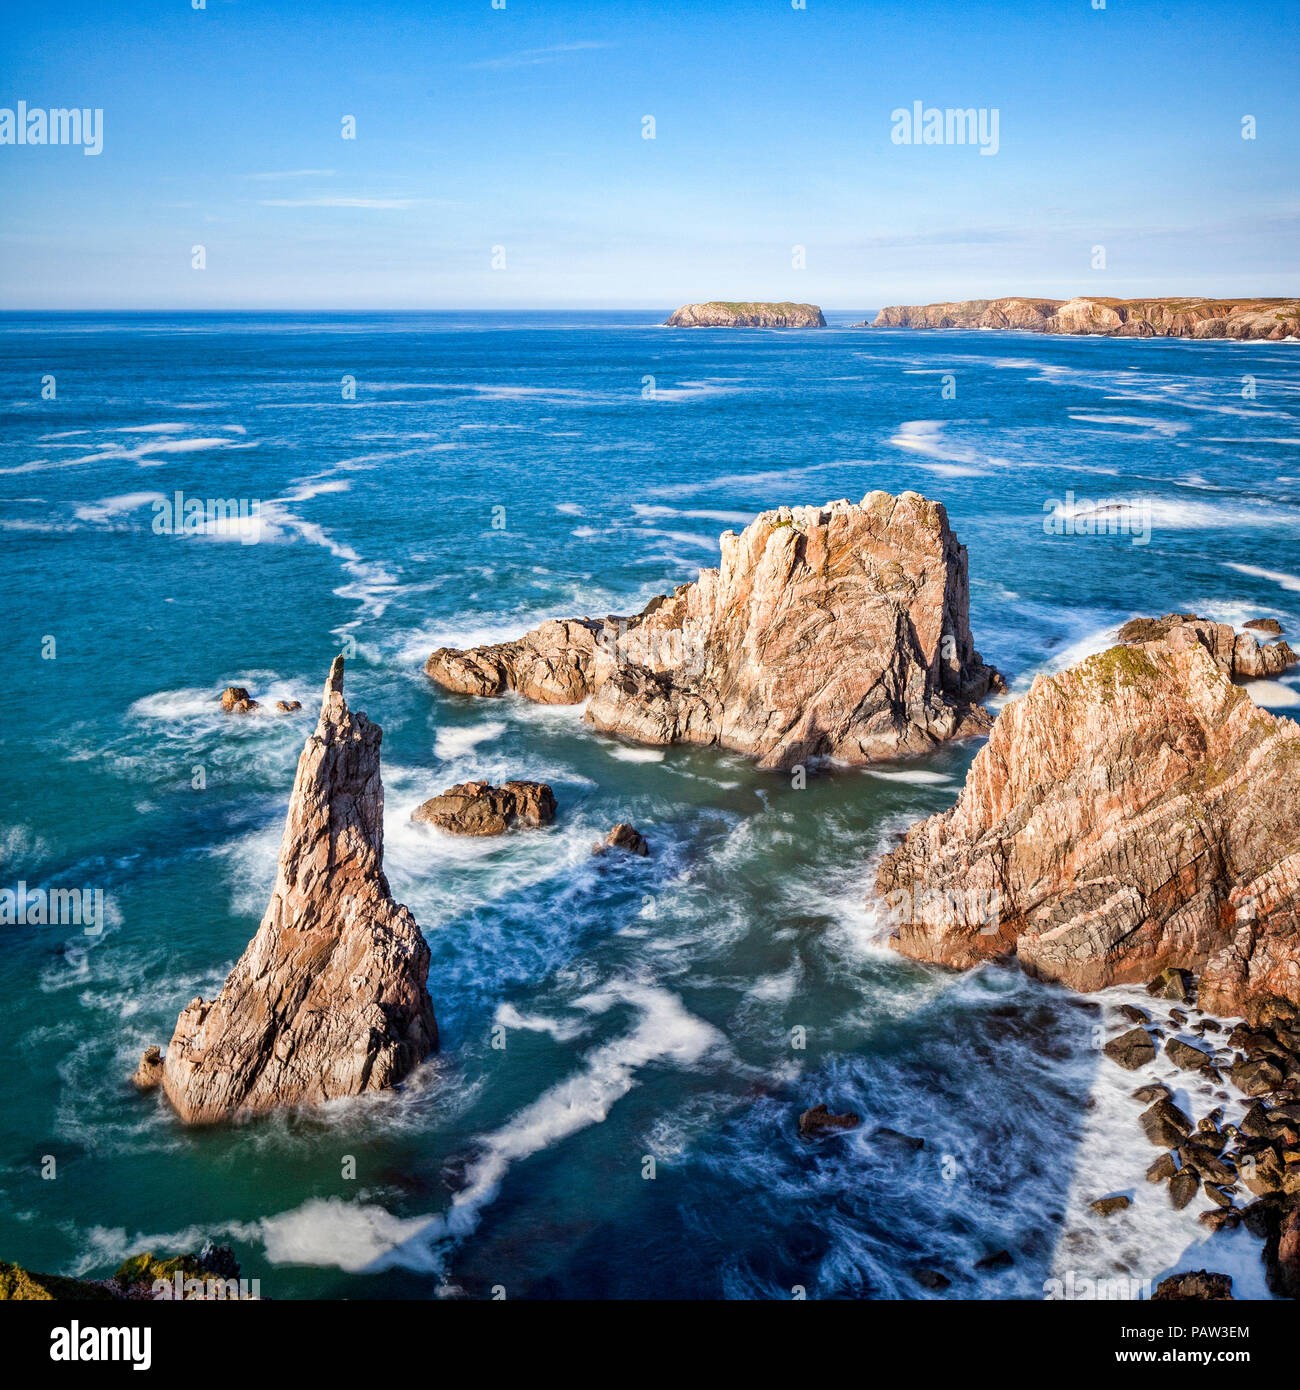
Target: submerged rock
x,y
478,808
818,1122
329,998
1135,813
839,631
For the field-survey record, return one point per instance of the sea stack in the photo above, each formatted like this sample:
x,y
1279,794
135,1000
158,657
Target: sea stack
x,y
1134,814
329,999
718,313
838,631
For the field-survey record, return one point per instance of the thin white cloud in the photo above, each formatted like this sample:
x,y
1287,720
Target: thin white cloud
x,y
294,174
398,204
531,57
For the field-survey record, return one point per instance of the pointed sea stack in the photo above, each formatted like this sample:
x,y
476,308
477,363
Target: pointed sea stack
x,y
329,997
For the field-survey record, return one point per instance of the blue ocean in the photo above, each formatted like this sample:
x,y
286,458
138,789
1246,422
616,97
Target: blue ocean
x,y
626,1046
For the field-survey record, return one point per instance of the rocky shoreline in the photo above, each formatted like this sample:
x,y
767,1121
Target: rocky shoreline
x,y
1254,319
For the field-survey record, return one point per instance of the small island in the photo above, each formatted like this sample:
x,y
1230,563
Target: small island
x,y
1111,318
719,313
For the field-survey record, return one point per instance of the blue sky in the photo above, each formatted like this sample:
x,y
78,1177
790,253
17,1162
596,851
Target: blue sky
x,y
522,128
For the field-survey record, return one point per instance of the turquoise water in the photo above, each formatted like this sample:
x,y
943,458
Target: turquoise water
x,y
647,1006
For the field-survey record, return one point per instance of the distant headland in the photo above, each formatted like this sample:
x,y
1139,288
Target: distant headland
x,y
1113,318
718,313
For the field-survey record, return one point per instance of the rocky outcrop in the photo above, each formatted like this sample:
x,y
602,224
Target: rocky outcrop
x,y
839,631
148,1075
208,1274
329,998
1240,654
1116,318
719,313
236,700
1135,813
478,808
625,837
1199,1285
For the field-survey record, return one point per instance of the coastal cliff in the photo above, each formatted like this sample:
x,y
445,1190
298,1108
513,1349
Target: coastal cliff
x,y
329,998
1135,813
838,631
725,314
1115,318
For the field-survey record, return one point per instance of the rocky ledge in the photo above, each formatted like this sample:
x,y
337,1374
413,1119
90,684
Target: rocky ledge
x,y
1240,654
1135,813
839,631
719,313
1116,318
329,998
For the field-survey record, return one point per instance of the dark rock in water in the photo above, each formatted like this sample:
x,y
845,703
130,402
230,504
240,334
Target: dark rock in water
x,y
1132,1049
236,700
1134,1014
149,1073
1178,1016
1262,1171
623,836
999,1259
894,1138
477,808
1217,1195
1209,1124
1256,1077
1172,984
1162,1169
1184,1055
1165,1124
1210,1167
1157,1090
288,706
819,1121
1200,1285
1221,1219
1255,1123
1183,1186
1269,625
1106,1206
931,1279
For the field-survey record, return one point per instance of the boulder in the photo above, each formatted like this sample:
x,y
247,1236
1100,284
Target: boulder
x,y
839,631
477,808
625,837
1107,1206
236,700
1183,1186
1131,1050
1269,625
1165,1124
288,706
1186,1056
330,998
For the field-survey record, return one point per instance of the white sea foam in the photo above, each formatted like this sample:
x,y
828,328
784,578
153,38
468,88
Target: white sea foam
x,y
1289,582
452,743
